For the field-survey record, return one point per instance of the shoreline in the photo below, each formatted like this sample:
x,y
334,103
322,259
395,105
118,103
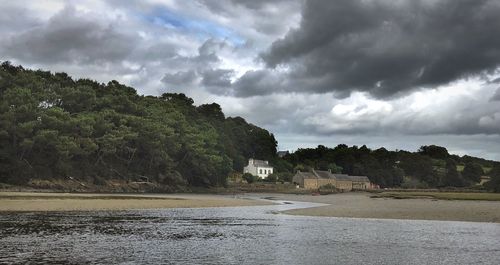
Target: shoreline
x,y
361,205
44,202
349,205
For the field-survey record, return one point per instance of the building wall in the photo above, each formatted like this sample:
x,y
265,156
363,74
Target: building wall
x,y
264,172
298,180
345,185
323,182
361,185
310,184
250,169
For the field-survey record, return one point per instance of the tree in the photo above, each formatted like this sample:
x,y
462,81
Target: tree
x,y
52,126
434,151
472,172
494,183
452,177
272,178
249,178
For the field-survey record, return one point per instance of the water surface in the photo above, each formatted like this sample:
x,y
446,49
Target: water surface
x,y
239,235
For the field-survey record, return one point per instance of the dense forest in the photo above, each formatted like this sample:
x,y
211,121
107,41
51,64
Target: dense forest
x,y
52,126
55,127
430,167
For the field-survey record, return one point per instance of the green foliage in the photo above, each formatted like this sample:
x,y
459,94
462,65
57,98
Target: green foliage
x,y
328,186
423,169
452,177
52,126
250,178
434,151
271,178
284,176
494,183
472,172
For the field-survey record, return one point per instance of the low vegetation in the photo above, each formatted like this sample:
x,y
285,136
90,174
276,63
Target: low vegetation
x,y
475,196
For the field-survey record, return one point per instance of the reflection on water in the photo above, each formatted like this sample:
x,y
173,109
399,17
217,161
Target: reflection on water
x,y
239,235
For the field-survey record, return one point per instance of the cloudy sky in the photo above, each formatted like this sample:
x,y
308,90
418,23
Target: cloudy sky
x,y
395,73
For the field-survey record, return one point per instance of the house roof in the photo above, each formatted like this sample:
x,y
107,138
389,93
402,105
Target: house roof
x,y
320,174
323,174
341,176
360,178
261,163
306,175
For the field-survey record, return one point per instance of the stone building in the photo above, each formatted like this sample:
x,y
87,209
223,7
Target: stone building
x,y
260,168
317,178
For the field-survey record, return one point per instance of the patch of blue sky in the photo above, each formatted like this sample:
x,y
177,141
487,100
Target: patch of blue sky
x,y
202,29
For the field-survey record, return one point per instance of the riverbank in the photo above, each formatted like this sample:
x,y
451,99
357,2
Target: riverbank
x,y
361,205
33,201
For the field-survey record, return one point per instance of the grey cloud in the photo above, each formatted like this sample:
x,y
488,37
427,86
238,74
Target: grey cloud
x,y
217,77
258,82
180,78
69,37
15,18
387,47
496,96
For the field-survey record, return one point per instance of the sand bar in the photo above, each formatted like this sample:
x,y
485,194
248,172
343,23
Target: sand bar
x,y
28,201
360,205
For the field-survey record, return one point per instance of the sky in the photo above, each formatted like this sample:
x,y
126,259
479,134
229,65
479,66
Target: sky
x,y
396,73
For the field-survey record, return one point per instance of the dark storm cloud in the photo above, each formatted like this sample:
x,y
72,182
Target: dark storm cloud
x,y
258,82
389,47
69,37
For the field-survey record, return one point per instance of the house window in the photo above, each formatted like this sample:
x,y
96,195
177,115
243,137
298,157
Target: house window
x,y
260,171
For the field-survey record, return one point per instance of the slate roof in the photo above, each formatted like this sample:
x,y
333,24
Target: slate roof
x,y
320,174
306,175
342,176
359,178
323,174
261,163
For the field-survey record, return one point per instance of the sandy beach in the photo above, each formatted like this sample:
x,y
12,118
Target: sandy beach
x,y
30,201
360,205
354,204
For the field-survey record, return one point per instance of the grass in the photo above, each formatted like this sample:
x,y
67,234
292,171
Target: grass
x,y
473,196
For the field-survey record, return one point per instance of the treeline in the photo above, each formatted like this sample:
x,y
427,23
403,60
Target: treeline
x,y
430,167
52,126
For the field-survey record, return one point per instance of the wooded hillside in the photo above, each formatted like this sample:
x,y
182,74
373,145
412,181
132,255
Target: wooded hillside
x,y
52,126
430,167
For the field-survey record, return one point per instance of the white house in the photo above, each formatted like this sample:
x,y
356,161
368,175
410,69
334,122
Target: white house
x,y
258,168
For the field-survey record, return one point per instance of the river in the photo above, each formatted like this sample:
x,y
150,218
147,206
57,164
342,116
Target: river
x,y
239,235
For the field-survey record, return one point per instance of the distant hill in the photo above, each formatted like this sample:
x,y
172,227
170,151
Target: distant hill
x,y
430,167
54,127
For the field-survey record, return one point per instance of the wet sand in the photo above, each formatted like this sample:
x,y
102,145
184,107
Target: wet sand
x,y
360,205
28,201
